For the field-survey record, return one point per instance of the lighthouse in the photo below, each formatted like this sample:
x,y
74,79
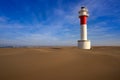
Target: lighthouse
x,y
84,43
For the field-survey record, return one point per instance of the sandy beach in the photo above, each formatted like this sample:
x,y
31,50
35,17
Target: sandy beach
x,y
60,63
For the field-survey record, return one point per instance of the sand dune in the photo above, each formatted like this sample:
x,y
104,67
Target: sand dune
x,y
60,63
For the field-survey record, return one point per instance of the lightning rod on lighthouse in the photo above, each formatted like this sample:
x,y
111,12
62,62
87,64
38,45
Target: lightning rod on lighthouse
x,y
83,43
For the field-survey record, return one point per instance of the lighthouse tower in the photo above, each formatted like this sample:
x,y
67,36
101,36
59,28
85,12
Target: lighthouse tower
x,y
84,43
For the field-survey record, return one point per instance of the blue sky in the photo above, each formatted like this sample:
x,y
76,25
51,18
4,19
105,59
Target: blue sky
x,y
56,22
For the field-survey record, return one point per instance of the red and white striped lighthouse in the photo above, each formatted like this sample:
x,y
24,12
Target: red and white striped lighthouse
x,y
83,43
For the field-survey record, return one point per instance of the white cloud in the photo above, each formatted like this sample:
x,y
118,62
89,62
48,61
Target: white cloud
x,y
38,40
3,19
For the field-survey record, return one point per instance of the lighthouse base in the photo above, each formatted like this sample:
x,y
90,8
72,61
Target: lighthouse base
x,y
84,44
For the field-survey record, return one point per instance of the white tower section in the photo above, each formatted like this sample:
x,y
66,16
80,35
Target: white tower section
x,y
83,43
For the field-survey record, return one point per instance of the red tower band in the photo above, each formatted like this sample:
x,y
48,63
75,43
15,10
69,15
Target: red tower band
x,y
83,20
